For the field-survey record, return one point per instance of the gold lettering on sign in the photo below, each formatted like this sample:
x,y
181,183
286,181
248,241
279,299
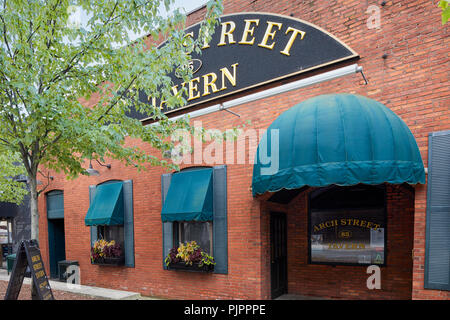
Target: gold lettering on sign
x,y
346,222
190,35
270,35
231,78
249,31
209,83
37,266
175,88
43,284
227,33
205,44
193,88
295,32
346,246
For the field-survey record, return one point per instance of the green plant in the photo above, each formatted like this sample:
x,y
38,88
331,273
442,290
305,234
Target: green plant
x,y
189,253
445,11
105,249
206,259
67,89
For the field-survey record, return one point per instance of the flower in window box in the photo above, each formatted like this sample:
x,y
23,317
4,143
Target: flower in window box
x,y
189,255
104,252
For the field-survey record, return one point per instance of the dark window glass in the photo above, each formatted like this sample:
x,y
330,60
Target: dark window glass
x,y
344,228
111,233
200,232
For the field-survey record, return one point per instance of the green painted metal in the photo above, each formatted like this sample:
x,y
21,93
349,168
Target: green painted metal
x,y
55,205
341,139
93,229
128,223
167,228
56,244
220,229
437,243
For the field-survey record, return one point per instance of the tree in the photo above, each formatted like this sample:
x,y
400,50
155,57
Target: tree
x,y
12,189
48,66
445,11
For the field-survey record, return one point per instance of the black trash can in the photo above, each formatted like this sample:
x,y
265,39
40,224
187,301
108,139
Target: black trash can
x,y
10,259
62,269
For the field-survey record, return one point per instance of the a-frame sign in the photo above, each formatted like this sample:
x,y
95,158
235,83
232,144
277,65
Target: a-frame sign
x,y
28,254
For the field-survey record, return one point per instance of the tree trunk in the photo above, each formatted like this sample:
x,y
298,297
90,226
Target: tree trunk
x,y
34,208
34,222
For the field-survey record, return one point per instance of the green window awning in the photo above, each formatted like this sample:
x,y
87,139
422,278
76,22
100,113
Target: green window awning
x,y
340,139
190,196
107,207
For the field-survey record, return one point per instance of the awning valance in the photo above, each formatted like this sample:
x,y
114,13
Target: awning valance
x,y
340,139
190,196
107,207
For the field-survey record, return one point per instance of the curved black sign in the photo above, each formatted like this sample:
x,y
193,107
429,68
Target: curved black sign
x,y
251,49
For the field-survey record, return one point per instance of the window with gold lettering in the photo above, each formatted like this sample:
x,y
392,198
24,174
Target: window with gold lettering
x,y
347,225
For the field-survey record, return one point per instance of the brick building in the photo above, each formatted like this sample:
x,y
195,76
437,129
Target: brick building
x,y
289,234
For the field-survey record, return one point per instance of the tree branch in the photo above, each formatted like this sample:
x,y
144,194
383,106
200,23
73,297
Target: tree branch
x,y
79,54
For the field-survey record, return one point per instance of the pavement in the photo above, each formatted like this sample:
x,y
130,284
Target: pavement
x,y
96,292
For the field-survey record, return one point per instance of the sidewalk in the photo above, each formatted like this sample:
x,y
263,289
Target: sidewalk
x,y
99,293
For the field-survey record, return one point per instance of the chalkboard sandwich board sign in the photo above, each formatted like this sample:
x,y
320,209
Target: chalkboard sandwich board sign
x,y
28,254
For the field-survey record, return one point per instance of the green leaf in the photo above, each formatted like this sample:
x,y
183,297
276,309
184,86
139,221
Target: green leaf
x,y
445,15
445,11
65,91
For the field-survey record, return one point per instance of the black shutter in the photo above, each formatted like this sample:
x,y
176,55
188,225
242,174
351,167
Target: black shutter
x,y
220,233
92,190
167,229
128,223
437,253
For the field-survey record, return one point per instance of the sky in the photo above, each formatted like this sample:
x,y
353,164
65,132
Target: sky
x,y
189,5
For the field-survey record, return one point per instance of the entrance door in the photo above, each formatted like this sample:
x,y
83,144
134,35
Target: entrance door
x,y
278,254
56,244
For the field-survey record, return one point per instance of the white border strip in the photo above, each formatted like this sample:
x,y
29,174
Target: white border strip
x,y
326,76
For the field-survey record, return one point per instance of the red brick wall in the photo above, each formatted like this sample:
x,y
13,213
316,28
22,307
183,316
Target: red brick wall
x,y
413,82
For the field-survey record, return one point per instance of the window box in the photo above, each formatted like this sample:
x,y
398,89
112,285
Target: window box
x,y
107,253
189,257
113,261
191,268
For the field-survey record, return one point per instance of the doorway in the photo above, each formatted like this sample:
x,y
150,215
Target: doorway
x,y
278,254
56,245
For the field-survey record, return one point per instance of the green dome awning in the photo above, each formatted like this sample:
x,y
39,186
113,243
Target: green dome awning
x,y
340,139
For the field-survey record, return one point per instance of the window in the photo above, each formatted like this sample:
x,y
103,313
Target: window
x,y
347,225
200,232
177,230
122,233
109,233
